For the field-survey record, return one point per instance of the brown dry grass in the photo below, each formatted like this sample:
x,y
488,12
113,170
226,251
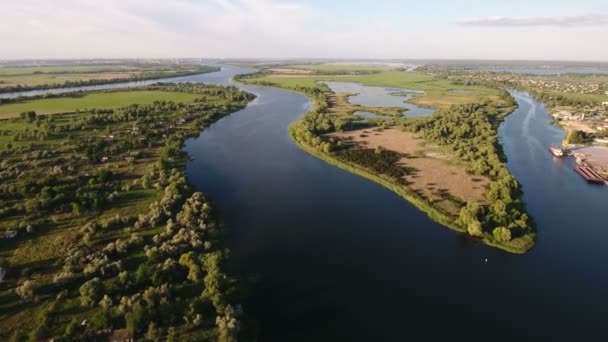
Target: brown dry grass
x,y
435,173
287,71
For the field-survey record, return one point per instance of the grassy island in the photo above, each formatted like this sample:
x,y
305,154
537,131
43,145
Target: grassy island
x,y
100,232
449,165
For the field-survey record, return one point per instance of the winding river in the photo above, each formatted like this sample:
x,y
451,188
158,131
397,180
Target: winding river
x,y
332,256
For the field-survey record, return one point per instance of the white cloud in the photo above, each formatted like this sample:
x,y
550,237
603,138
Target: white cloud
x,y
132,28
566,21
276,29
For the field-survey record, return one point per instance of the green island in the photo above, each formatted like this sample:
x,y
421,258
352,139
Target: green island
x,y
102,237
449,165
14,79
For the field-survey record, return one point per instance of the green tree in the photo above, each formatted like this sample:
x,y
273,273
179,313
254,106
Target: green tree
x,y
189,260
474,228
172,335
136,319
91,292
153,334
502,234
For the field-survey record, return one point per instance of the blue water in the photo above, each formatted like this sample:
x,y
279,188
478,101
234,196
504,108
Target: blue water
x,y
330,256
381,97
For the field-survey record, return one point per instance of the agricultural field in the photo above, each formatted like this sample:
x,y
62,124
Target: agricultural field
x,y
29,78
98,223
97,100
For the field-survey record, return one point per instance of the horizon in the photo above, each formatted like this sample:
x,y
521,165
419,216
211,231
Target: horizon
x,y
281,29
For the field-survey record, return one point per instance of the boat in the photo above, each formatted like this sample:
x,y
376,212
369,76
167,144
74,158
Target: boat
x,y
589,174
556,151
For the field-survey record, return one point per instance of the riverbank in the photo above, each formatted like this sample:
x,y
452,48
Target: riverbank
x,y
44,78
99,203
503,225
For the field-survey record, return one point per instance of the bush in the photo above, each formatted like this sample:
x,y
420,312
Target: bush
x,y
91,292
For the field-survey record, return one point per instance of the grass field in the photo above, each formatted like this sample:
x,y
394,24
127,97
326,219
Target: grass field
x,y
438,92
42,79
14,78
104,100
341,67
12,71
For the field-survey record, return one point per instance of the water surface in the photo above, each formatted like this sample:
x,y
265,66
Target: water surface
x,y
381,97
335,257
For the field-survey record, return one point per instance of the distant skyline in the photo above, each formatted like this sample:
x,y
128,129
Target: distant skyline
x,y
383,29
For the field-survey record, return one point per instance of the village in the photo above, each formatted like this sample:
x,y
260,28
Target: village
x,y
555,83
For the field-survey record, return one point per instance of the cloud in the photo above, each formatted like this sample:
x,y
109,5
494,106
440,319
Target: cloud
x,y
153,28
567,21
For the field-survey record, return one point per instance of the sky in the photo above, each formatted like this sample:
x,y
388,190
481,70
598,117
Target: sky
x,y
386,29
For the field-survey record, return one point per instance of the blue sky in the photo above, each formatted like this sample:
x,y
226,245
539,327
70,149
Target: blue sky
x,y
513,29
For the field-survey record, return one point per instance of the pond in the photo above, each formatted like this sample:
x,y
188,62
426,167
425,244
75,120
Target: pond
x,y
381,97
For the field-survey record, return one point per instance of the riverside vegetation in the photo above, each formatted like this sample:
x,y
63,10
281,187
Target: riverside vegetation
x,y
101,233
465,125
15,79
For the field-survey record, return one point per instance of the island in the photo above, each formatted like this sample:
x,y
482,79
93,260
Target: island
x,y
449,163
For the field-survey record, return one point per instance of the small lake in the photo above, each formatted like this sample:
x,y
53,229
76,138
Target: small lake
x,y
381,97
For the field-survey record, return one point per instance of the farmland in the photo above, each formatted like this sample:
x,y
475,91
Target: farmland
x,y
96,100
30,78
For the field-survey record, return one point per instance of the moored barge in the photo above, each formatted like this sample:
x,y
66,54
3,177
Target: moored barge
x,y
589,174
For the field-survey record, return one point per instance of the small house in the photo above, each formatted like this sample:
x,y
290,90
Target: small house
x,y
121,335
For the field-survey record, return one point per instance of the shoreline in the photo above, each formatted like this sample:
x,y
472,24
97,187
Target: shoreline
x,y
432,212
412,198
87,83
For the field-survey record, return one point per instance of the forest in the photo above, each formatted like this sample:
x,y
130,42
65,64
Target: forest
x,y
102,233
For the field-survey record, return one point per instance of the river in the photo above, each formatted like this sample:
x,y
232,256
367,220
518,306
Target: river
x,y
331,256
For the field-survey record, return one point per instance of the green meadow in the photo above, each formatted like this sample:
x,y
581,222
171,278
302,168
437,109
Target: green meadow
x,y
105,100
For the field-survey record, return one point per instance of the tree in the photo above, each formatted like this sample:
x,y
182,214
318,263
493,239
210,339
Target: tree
x,y
189,260
578,137
72,328
474,228
26,290
172,335
228,326
502,234
153,334
91,292
136,319
213,280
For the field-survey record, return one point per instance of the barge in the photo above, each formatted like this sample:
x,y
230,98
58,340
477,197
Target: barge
x,y
589,174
